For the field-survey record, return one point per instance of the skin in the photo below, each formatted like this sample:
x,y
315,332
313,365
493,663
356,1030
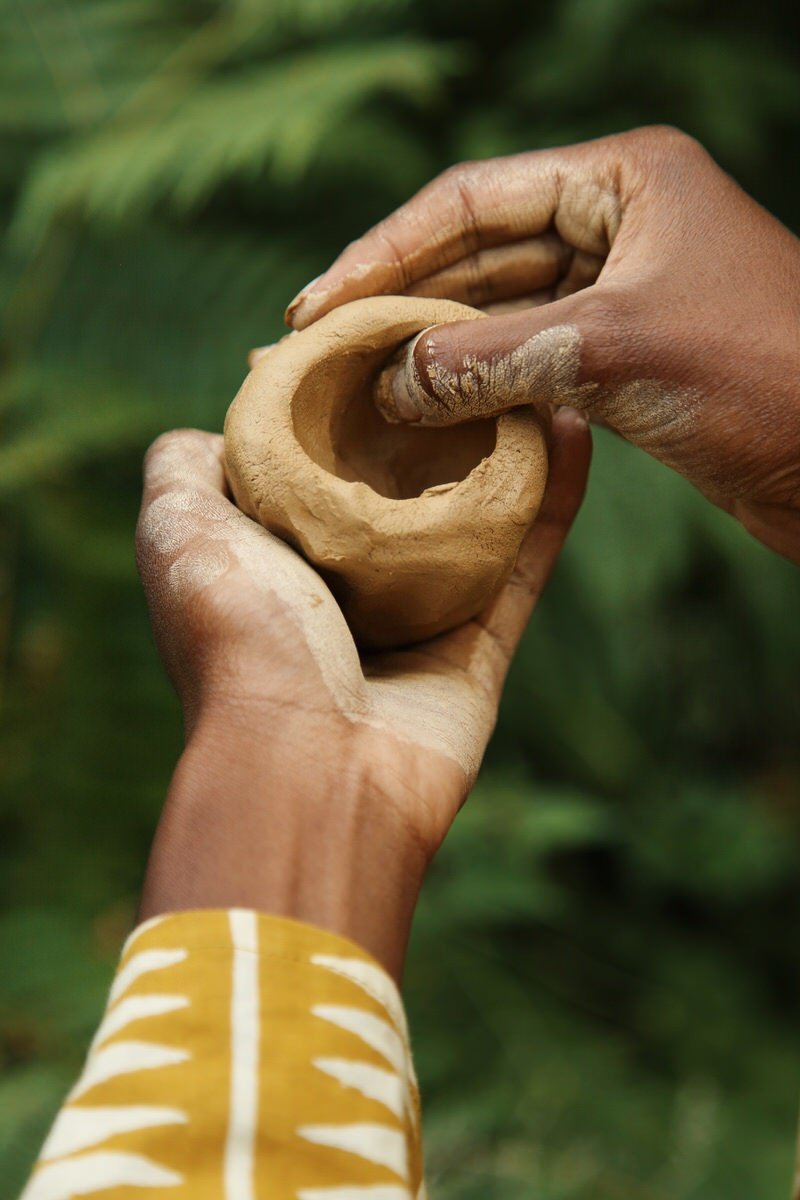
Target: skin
x,y
629,277
314,784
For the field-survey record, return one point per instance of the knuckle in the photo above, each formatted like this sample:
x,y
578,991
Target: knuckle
x,y
667,142
394,251
460,173
660,134
457,184
665,132
460,189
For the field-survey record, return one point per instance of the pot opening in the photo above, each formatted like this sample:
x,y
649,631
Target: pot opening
x,y
339,427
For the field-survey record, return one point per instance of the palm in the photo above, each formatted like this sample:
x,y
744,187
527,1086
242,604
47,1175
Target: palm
x,y
239,615
426,712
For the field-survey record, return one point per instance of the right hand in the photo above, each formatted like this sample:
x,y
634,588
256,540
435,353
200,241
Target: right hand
x,y
635,280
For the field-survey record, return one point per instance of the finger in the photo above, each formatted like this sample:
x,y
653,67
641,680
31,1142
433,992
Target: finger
x,y
486,645
578,191
466,209
499,273
184,490
187,518
185,458
465,370
568,472
582,272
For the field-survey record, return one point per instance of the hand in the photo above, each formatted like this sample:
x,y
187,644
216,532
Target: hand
x,y
314,784
647,289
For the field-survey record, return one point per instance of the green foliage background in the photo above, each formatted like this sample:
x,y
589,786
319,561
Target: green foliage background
x,y
603,982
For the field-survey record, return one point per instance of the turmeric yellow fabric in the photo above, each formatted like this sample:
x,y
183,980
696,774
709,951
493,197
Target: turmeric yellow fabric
x,y
241,1057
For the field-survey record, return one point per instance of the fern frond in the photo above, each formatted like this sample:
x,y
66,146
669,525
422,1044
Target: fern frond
x,y
273,120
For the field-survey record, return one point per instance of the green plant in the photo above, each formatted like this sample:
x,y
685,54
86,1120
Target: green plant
x,y
602,985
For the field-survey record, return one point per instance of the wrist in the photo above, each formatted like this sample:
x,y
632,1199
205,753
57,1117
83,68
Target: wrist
x,y
297,826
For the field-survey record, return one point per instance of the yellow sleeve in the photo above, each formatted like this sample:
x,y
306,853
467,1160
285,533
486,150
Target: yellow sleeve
x,y
241,1057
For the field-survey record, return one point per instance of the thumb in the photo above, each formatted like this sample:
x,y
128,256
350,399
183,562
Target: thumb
x,y
469,369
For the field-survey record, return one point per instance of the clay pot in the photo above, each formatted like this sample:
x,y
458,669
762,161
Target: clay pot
x,y
414,530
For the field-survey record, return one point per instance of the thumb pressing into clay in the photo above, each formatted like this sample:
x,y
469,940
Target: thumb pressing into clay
x,y
556,354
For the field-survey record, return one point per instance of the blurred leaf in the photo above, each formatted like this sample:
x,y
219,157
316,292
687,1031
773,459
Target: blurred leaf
x,y
602,985
275,119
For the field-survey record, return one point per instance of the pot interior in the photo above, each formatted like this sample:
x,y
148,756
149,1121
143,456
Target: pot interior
x,y
339,427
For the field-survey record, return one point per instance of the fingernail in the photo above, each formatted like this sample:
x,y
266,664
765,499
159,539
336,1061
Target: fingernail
x,y
404,405
393,395
294,307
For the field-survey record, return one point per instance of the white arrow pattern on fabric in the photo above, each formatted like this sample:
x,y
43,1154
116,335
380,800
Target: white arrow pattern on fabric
x,y
383,1145
95,1172
379,1144
65,1172
76,1128
386,1087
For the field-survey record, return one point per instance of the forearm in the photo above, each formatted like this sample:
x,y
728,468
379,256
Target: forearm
x,y
253,821
237,1043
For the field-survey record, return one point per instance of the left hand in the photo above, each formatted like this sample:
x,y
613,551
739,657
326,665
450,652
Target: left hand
x,y
314,783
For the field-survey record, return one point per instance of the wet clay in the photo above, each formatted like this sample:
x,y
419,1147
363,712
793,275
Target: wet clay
x,y
414,529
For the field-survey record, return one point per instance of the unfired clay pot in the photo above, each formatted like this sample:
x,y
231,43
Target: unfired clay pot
x,y
415,530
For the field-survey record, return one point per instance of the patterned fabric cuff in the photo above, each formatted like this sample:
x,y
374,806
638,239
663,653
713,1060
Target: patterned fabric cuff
x,y
241,1056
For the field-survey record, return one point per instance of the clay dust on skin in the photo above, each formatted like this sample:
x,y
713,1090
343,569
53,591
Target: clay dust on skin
x,y
544,368
304,306
660,417
181,525
418,698
185,457
191,574
447,706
